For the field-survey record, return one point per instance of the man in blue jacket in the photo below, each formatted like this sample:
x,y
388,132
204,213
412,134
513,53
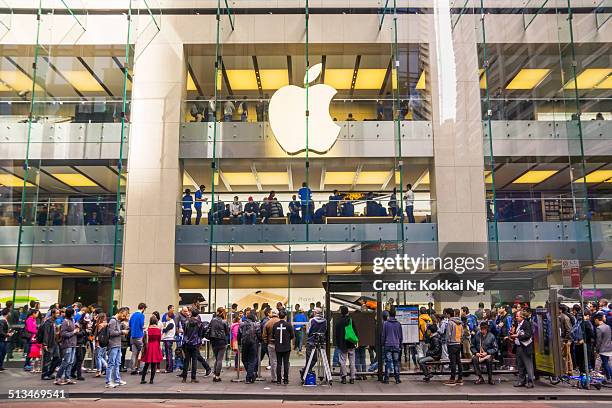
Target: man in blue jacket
x,y
392,339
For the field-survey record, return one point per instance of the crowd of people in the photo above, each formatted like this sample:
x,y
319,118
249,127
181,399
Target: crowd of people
x,y
55,343
302,208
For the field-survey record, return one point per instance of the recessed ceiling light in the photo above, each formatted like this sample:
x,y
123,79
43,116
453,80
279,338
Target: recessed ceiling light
x,y
528,78
597,176
534,176
74,179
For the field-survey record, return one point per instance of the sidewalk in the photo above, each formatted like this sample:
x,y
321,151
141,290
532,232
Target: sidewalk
x,y
169,386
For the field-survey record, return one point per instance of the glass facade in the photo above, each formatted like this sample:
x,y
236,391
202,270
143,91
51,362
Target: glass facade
x,y
310,140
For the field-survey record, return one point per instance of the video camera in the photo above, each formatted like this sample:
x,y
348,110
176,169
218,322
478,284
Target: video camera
x,y
319,339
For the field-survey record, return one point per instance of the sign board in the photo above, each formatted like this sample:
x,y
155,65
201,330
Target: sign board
x,y
542,341
408,316
570,270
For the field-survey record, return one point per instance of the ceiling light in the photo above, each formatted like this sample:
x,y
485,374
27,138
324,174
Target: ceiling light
x,y
191,86
488,177
240,179
589,78
368,78
184,270
83,81
74,179
528,78
541,265
237,269
483,78
372,177
341,268
597,176
339,78
278,268
605,84
273,78
421,84
534,176
18,81
9,180
6,271
242,79
339,177
68,270
606,265
273,178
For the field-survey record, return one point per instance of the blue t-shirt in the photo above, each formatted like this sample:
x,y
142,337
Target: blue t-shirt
x,y
137,325
198,196
187,202
299,321
305,195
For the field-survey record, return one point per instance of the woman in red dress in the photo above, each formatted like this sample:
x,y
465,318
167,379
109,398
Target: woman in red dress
x,y
152,354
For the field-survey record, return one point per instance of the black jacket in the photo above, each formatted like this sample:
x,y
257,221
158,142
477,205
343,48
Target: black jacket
x,y
526,334
49,339
4,328
282,332
435,347
219,331
340,332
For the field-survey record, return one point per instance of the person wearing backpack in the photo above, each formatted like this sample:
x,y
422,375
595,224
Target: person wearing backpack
x,y
345,337
454,333
523,339
392,339
218,333
114,332
68,332
424,322
249,337
192,339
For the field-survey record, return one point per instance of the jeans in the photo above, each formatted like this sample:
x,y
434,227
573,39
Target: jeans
x,y
422,364
77,367
249,219
186,217
282,361
454,355
169,355
198,215
392,361
605,363
410,213
306,215
298,339
191,358
219,352
114,361
360,359
66,365
3,349
227,118
249,360
51,359
101,359
350,355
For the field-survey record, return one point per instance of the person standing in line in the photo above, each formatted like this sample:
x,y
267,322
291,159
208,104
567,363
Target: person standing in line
x,y
152,355
199,199
409,200
249,337
565,328
113,376
228,110
283,334
346,347
51,353
81,347
125,338
5,336
523,338
168,333
137,326
392,340
186,204
269,340
68,332
29,331
454,333
212,111
243,110
193,339
603,344
299,324
219,333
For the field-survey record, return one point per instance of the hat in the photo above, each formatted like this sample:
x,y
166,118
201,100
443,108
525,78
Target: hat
x,y
318,311
274,312
250,198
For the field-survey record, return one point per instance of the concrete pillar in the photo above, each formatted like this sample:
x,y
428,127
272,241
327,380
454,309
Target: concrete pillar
x,y
154,178
458,168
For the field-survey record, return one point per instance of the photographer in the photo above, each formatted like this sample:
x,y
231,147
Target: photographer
x,y
317,334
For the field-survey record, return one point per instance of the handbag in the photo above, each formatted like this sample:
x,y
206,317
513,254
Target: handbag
x,y
349,333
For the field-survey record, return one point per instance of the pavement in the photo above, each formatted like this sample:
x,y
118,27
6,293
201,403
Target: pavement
x,y
412,388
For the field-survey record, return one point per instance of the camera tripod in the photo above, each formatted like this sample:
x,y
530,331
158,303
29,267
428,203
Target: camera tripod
x,y
322,365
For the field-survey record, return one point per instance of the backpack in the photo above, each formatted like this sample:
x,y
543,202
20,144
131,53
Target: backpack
x,y
192,333
104,336
248,333
453,332
576,332
205,330
40,333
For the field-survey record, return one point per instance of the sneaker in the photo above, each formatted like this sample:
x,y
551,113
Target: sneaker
x,y
459,382
60,382
134,372
491,382
479,381
268,367
343,381
286,382
352,381
70,381
143,382
397,381
208,372
111,385
427,379
80,378
529,385
519,384
121,382
450,383
193,380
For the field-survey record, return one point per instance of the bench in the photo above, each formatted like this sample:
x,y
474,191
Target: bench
x,y
358,220
437,365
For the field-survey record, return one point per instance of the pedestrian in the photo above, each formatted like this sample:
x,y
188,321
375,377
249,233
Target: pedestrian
x,y
51,353
299,324
35,355
249,337
218,334
137,324
392,340
101,343
29,331
345,344
269,341
523,339
152,355
192,341
603,344
283,334
68,332
81,347
454,334
114,332
5,336
168,334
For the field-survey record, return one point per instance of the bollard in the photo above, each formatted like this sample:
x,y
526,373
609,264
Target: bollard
x,y
237,379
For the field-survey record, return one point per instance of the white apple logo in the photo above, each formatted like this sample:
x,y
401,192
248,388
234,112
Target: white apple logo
x,y
287,113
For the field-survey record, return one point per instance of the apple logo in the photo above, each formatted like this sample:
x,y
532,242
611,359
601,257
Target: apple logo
x,y
287,112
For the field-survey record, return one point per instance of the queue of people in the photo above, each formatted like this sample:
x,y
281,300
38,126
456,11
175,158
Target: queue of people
x,y
55,343
301,208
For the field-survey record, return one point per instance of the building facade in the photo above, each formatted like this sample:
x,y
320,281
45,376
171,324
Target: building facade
x,y
495,113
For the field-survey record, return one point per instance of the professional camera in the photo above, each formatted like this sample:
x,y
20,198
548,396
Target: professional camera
x,y
319,339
